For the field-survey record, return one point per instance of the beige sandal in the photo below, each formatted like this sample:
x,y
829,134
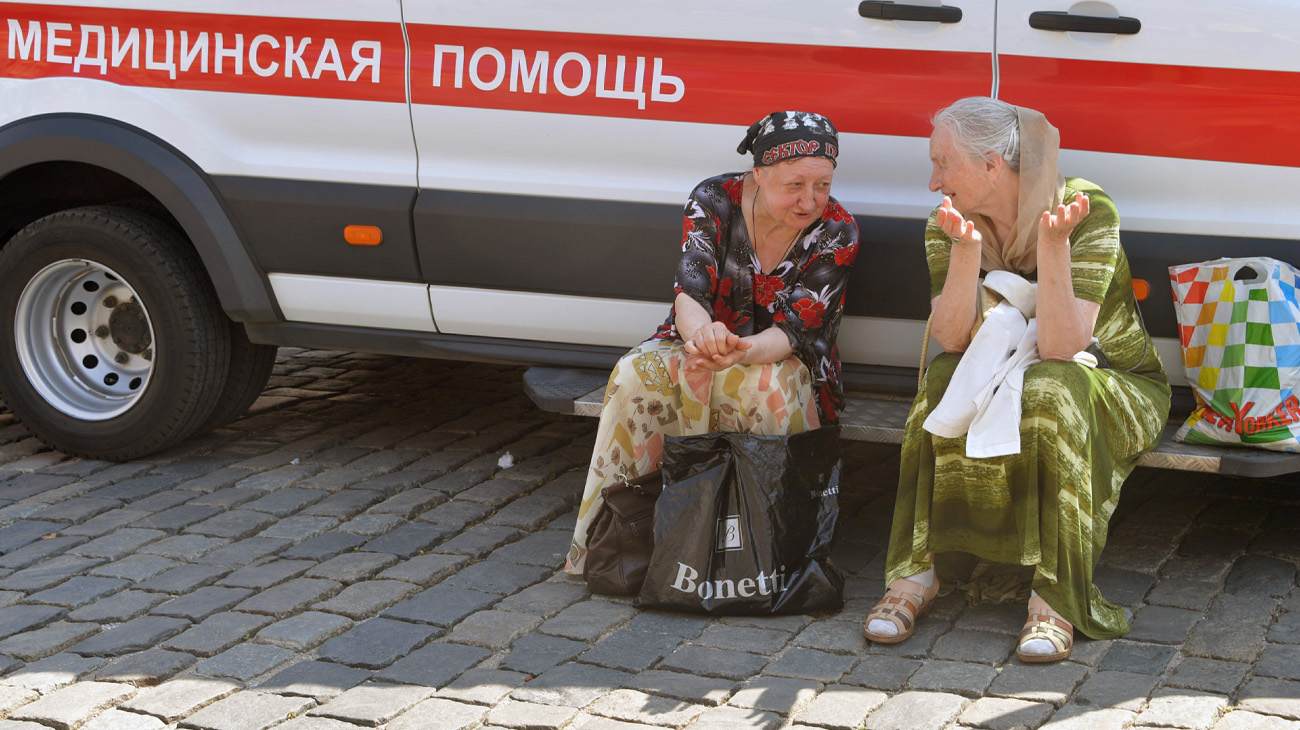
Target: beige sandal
x,y
1049,628
902,608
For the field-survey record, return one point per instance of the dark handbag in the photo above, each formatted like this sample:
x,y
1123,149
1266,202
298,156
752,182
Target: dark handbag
x,y
620,537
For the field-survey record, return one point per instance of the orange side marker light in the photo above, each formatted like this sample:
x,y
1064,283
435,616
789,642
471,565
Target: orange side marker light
x,y
1141,289
363,235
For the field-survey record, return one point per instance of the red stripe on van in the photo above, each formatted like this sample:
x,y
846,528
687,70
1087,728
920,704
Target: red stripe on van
x,y
1222,114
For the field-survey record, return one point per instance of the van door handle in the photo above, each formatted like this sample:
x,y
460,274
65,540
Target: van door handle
x,y
885,10
1062,22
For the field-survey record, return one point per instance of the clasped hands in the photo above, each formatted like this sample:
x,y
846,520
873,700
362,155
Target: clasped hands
x,y
714,348
1053,227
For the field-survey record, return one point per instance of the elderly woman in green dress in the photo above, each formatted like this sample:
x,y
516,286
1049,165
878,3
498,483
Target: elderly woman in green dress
x,y
1083,420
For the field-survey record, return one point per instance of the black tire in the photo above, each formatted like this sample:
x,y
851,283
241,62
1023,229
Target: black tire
x,y
164,330
250,367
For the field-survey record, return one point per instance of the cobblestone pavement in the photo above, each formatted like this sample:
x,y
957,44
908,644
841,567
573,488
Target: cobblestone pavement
x,y
352,555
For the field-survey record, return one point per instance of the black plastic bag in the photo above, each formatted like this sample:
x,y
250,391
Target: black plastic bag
x,y
744,525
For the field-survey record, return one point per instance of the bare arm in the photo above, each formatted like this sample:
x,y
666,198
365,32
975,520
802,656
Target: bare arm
x,y
1065,322
954,308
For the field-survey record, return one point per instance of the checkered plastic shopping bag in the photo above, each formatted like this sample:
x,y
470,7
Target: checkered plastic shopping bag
x,y
1237,322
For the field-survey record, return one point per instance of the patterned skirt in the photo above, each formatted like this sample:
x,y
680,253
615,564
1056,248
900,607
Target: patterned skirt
x,y
1046,509
649,397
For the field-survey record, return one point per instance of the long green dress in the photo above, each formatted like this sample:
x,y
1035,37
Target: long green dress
x,y
1081,433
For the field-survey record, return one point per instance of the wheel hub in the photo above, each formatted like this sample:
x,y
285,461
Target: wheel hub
x,y
129,328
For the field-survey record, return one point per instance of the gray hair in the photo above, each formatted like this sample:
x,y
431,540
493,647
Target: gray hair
x,y
983,127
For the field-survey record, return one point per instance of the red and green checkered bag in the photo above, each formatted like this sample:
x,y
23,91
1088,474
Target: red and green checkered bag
x,y
1237,322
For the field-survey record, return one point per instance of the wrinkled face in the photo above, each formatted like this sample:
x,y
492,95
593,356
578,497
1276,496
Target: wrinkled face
x,y
795,192
969,182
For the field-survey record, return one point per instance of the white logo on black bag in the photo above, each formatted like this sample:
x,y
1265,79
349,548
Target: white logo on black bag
x,y
729,533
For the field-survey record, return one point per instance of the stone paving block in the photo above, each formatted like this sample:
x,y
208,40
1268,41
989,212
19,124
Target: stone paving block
x,y
299,527
492,576
722,636
410,503
635,706
571,685
1244,608
546,599
1183,709
928,630
324,546
841,707
201,603
235,524
714,662
77,509
244,662
50,673
1261,576
1162,625
183,579
535,653
375,643
22,533
146,668
434,665
13,697
137,634
440,713
812,664
885,673
364,599
1205,540
837,637
478,541
373,704
1286,630
247,710
1231,641
135,568
245,552
345,503
178,517
628,649
530,512
217,633
118,543
962,678
278,479
735,718
39,550
547,548
493,629
1243,720
684,687
1268,696
483,686
529,716
995,713
776,694
422,570
441,605
48,573
21,618
184,547
1132,656
264,575
974,646
47,640
226,498
105,523
1117,690
284,502
457,513
681,625
1209,675
351,567
319,680
372,525
1194,595
304,631
998,618
290,597
119,720
1082,717
1280,661
1052,683
587,620
916,711
70,707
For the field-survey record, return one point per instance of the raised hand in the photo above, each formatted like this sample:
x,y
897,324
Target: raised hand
x,y
957,227
1054,227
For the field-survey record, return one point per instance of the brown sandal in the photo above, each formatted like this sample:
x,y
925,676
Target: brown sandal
x,y
902,608
1050,628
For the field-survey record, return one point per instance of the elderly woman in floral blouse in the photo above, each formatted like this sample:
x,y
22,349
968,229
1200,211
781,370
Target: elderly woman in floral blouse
x,y
750,342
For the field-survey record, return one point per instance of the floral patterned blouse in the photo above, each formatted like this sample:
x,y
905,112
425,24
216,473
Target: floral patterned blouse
x,y
804,295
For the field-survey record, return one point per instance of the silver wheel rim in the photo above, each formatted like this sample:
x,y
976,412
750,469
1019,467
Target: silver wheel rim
x,y
85,339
